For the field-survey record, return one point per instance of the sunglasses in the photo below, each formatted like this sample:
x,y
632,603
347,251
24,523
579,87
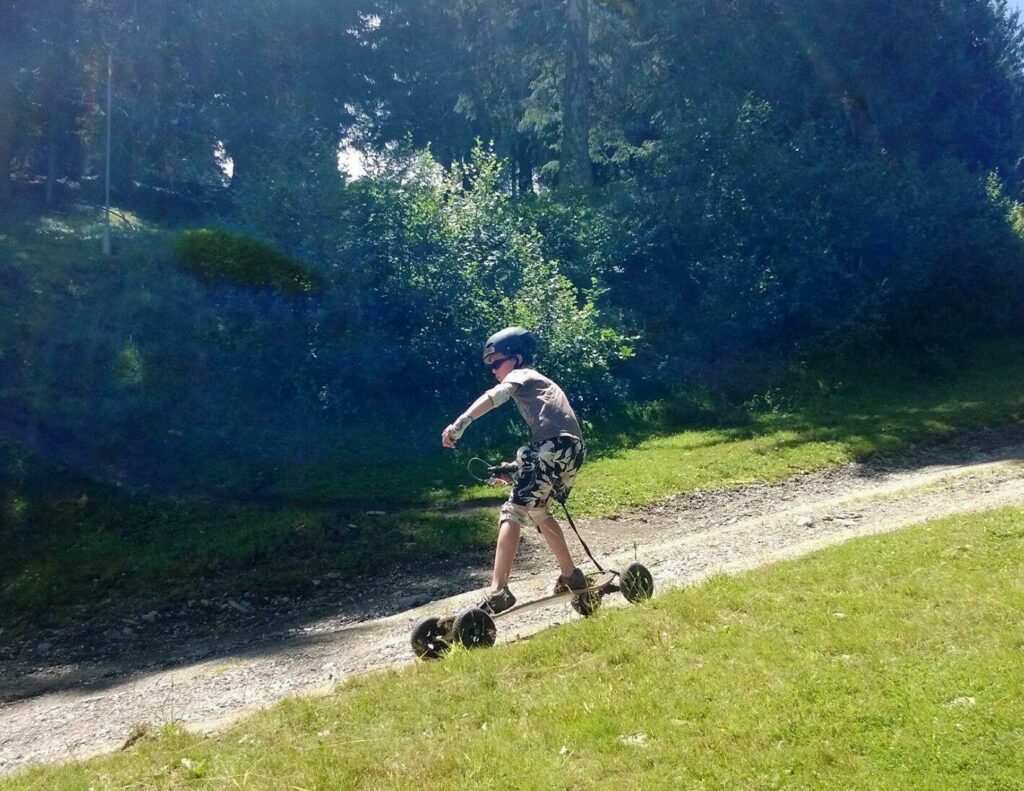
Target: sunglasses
x,y
498,363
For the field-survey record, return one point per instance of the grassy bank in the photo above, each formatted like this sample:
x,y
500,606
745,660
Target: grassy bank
x,y
69,541
877,406
888,662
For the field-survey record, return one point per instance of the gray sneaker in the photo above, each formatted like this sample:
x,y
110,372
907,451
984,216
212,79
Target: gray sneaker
x,y
495,603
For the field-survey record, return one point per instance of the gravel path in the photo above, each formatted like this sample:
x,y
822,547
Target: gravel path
x,y
77,693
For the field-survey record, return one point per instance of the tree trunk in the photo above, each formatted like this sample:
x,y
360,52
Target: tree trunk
x,y
574,164
244,150
524,166
51,167
6,142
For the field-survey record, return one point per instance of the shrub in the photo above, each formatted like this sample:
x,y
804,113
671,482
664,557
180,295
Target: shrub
x,y
438,261
763,240
292,195
214,255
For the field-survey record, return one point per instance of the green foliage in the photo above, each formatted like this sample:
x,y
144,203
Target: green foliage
x,y
440,259
576,348
775,175
500,276
780,238
130,367
217,256
292,195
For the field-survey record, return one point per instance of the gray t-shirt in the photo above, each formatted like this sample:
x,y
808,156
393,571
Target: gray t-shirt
x,y
543,405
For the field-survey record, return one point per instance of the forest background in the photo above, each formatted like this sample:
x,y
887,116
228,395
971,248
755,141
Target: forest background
x,y
687,201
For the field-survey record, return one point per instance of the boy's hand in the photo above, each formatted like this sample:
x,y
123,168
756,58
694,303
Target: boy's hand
x,y
504,473
454,432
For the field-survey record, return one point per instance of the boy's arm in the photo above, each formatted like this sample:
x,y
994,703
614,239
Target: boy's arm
x,y
494,397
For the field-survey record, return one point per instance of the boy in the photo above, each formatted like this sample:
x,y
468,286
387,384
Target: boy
x,y
547,466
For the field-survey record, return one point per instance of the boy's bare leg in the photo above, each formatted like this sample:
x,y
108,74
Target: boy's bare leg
x,y
552,532
505,554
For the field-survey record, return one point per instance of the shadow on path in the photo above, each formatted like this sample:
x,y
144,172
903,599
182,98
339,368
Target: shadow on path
x,y
101,653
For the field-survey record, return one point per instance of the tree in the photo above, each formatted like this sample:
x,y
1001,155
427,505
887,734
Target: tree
x,y
41,85
512,72
574,164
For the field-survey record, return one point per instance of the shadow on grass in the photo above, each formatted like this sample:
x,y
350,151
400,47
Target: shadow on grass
x,y
891,432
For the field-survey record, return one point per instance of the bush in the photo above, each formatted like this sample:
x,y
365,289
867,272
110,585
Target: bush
x,y
762,240
439,260
214,255
292,195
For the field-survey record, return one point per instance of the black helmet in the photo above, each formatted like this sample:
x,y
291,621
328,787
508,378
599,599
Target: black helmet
x,y
510,342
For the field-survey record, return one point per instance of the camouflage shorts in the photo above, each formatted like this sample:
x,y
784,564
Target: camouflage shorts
x,y
547,471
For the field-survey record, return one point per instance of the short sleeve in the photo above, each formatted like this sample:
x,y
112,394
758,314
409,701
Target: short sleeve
x,y
518,377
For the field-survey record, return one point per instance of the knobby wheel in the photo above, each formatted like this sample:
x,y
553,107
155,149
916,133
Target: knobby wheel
x,y
636,583
475,629
586,603
430,638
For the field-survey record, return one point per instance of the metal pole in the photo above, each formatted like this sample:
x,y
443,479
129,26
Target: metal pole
x,y
106,225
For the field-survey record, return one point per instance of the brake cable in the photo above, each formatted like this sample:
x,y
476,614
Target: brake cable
x,y
577,532
474,476
491,469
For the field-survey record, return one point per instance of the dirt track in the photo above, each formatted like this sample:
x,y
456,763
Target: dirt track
x,y
78,693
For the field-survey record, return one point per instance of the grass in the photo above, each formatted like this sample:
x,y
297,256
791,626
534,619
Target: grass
x,y
882,409
114,545
888,662
101,543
